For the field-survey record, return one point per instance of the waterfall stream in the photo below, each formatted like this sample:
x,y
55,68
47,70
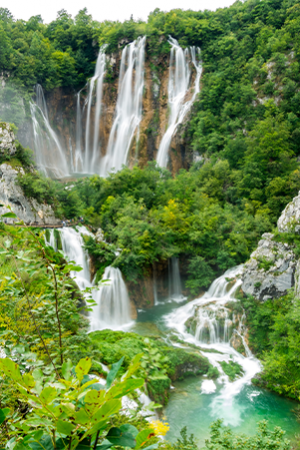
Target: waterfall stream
x,y
113,305
179,83
128,112
91,158
50,156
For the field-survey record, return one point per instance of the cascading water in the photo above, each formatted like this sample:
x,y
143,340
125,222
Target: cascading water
x,y
91,158
128,113
179,83
113,305
175,288
50,157
206,323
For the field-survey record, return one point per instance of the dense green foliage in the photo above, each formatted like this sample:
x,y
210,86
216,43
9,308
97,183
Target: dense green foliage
x,y
232,369
274,336
223,438
161,364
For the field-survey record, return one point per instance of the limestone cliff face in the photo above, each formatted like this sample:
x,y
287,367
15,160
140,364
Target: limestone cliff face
x,y
61,103
273,267
11,194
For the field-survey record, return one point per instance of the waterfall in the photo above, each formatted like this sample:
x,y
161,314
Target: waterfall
x,y
205,322
113,305
92,152
175,288
50,157
78,163
128,112
179,82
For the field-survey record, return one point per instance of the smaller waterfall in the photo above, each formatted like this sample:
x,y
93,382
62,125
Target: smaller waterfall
x,y
128,113
92,152
113,305
175,288
50,156
179,82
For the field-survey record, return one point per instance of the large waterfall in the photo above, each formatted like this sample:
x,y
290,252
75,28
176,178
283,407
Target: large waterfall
x,y
113,305
50,157
128,112
179,83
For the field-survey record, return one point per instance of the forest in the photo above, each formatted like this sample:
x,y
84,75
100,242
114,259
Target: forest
x,y
244,133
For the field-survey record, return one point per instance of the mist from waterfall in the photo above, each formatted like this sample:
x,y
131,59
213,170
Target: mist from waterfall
x,y
50,156
128,112
179,84
113,304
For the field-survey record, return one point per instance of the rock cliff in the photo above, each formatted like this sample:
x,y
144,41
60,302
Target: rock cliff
x,y
273,267
11,194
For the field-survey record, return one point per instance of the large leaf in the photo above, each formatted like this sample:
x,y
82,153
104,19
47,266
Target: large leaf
x,y
117,437
135,364
45,443
48,394
66,369
110,407
28,381
125,387
113,372
64,427
143,437
10,215
128,428
3,414
11,369
83,368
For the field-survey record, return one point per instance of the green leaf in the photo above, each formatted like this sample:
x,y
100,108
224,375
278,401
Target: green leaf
x,y
66,369
143,437
113,372
44,443
151,447
117,437
28,381
135,364
3,414
128,428
10,215
83,367
110,407
11,369
125,387
64,427
48,394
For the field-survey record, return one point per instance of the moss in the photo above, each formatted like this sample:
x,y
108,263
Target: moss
x,y
232,369
172,364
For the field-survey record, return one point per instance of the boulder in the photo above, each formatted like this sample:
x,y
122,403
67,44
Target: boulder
x,y
270,271
12,195
7,140
290,217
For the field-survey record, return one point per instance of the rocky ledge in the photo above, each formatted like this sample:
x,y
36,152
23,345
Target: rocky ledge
x,y
12,196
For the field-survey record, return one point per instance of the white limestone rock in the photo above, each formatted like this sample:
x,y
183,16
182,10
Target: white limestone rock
x,y
28,210
290,217
270,271
7,140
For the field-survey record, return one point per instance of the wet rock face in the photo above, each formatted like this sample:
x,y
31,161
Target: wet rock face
x,y
290,217
28,210
7,140
270,271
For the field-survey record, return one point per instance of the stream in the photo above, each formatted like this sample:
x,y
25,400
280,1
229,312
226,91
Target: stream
x,y
209,322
